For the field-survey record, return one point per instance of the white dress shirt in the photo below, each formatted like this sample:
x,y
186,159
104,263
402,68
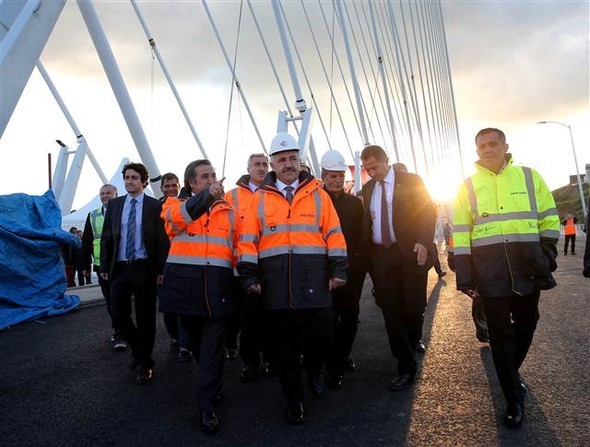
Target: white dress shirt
x,y
375,207
281,186
140,252
252,187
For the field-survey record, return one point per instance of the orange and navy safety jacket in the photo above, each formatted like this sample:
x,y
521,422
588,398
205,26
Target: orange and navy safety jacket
x,y
292,250
240,197
199,269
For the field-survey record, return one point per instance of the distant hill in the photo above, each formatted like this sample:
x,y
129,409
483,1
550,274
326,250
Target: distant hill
x,y
567,199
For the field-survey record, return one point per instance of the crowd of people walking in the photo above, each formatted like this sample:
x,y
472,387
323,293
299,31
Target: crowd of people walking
x,y
272,270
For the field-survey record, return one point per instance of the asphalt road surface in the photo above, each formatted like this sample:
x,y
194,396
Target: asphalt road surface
x,y
62,385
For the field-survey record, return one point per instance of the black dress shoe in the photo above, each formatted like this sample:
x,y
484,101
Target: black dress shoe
x,y
231,354
335,381
514,415
248,374
295,413
316,385
401,382
270,369
144,376
349,365
420,347
209,421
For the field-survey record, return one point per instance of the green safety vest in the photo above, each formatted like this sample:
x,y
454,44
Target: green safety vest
x,y
96,222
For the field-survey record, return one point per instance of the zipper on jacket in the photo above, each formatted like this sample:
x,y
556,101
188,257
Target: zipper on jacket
x,y
290,284
207,264
510,270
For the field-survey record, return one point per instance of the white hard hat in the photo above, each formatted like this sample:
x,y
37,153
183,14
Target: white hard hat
x,y
283,142
333,161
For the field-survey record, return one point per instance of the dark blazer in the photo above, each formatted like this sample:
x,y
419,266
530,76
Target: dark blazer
x,y
413,218
154,236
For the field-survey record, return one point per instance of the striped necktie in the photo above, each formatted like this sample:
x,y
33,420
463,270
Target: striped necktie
x,y
289,194
130,247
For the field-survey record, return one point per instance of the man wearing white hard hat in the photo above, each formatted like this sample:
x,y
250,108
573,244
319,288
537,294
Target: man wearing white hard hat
x,y
292,252
345,300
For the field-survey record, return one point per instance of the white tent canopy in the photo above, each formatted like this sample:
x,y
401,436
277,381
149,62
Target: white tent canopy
x,y
78,218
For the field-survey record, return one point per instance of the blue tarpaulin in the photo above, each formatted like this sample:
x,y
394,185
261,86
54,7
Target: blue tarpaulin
x,y
32,274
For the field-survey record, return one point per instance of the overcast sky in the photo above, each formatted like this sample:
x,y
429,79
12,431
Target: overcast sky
x,y
513,64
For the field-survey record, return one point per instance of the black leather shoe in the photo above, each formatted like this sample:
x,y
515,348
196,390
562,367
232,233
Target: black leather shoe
x,y
523,388
335,381
231,354
248,374
316,385
144,376
295,413
209,421
420,347
349,364
401,382
514,415
270,369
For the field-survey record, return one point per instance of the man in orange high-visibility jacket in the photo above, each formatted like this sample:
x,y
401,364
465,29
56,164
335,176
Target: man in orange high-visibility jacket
x,y
569,230
292,252
198,275
248,319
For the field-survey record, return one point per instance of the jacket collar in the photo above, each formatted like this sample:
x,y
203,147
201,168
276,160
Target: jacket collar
x,y
508,161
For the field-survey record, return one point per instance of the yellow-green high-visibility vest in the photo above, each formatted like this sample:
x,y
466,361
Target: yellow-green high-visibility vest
x,y
96,222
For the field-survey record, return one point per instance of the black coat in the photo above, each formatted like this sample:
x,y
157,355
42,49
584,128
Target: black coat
x,y
413,219
153,235
350,212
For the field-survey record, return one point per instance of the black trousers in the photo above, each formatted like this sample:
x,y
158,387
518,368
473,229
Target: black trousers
x,y
401,292
345,305
254,338
568,238
479,315
206,340
233,323
437,267
512,321
105,287
134,279
307,331
176,329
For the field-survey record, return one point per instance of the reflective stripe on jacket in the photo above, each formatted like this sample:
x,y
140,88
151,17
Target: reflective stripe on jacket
x,y
199,268
505,232
292,250
240,197
96,222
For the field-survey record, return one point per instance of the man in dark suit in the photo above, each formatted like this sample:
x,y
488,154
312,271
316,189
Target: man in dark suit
x,y
133,250
398,231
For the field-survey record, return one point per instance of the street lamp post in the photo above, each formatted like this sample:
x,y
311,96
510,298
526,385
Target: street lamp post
x,y
575,161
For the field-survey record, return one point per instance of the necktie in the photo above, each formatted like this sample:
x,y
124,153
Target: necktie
x,y
385,234
130,247
289,194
